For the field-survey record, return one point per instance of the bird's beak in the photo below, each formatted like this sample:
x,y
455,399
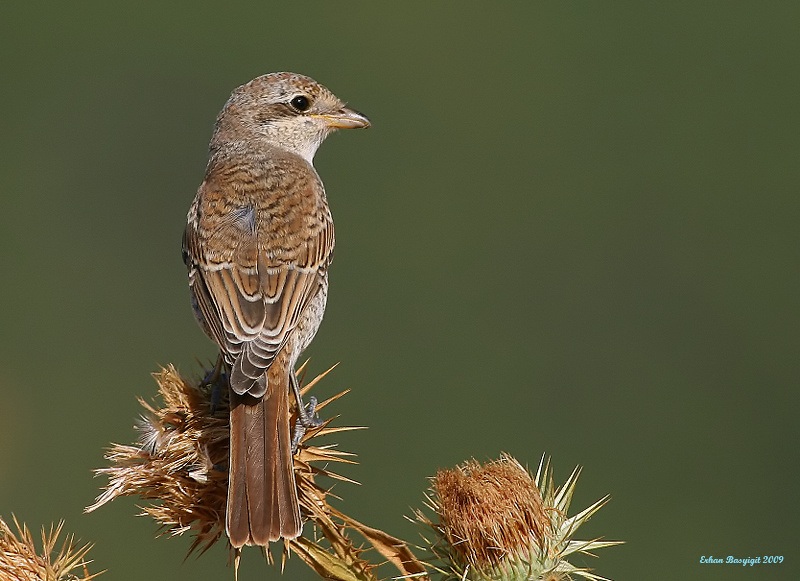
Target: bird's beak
x,y
344,118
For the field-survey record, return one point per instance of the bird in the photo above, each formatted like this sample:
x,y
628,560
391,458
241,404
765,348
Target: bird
x,y
257,245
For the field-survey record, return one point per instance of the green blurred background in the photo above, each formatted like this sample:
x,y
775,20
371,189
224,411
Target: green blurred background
x,y
572,229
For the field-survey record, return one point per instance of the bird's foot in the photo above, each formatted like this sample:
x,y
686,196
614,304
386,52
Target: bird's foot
x,y
306,419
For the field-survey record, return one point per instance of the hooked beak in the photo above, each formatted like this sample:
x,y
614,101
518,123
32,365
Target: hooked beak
x,y
344,118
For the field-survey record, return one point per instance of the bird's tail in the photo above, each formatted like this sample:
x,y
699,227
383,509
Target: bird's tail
x,y
262,495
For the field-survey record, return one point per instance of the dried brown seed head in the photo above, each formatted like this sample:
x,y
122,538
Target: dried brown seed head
x,y
490,511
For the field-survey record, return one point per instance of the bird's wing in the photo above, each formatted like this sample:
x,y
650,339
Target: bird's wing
x,y
255,261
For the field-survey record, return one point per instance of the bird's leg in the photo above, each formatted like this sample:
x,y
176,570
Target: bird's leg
x,y
217,380
305,414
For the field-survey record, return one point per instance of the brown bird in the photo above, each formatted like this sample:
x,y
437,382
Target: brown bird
x,y
258,243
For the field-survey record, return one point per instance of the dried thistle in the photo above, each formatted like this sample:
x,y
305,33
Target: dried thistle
x,y
497,522
181,464
19,560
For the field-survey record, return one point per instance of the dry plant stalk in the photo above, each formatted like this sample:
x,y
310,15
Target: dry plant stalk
x,y
497,522
180,463
19,560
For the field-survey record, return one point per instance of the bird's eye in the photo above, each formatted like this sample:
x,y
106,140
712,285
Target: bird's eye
x,y
300,102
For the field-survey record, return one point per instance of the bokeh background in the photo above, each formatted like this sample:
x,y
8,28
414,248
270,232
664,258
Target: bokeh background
x,y
573,229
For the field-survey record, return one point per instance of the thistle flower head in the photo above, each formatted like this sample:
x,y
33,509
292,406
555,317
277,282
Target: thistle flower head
x,y
20,561
487,512
497,522
180,465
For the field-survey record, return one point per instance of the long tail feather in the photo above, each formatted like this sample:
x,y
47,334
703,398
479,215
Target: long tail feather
x,y
262,495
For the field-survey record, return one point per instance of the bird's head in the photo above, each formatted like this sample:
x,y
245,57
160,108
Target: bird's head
x,y
284,110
